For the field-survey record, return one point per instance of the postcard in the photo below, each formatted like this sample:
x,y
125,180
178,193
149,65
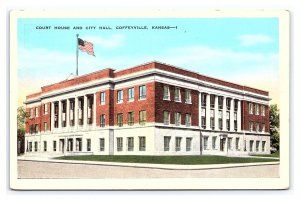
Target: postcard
x,y
149,100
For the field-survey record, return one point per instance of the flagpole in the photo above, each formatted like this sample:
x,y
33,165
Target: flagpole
x,y
77,54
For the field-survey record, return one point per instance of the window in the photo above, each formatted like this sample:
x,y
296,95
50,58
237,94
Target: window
x,y
131,94
228,121
178,143
220,116
130,144
228,100
142,117
203,100
230,143
30,146
257,127
250,126
220,102
166,117
263,127
36,128
54,145
236,103
78,144
177,94
102,98
203,117
130,118
235,121
177,118
45,145
251,145
212,101
36,112
35,146
102,120
72,117
237,143
212,119
187,120
167,140
256,109
142,143
188,144
257,146
88,144
46,108
119,144
31,113
188,97
142,92
31,128
250,108
263,148
214,142
205,142
102,144
263,110
120,119
166,93
45,126
120,96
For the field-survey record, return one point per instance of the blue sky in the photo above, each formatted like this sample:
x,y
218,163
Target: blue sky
x,y
242,50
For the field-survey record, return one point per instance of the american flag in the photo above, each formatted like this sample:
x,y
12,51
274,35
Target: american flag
x,y
86,46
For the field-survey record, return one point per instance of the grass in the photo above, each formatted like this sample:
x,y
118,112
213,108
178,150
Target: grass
x,y
183,160
275,154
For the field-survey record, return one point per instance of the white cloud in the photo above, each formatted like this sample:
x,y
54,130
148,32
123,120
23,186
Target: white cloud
x,y
112,41
249,40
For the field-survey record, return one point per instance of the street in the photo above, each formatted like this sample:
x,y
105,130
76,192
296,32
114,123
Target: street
x,y
37,169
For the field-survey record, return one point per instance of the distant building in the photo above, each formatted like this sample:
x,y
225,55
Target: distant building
x,y
150,109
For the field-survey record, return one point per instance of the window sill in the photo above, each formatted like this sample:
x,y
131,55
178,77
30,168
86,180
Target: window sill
x,y
130,101
177,101
166,99
141,99
120,102
188,102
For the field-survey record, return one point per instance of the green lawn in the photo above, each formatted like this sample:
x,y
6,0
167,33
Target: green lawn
x,y
184,160
276,154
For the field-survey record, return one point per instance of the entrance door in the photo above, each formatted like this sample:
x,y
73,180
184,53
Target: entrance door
x,y
62,145
222,144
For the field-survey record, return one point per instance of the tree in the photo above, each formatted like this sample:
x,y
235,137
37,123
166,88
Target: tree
x,y
274,126
22,116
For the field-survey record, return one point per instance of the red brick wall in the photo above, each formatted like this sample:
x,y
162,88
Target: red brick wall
x,y
103,109
40,119
137,105
172,106
246,117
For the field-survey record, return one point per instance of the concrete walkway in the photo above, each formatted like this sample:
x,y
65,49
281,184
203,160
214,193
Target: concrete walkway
x,y
146,165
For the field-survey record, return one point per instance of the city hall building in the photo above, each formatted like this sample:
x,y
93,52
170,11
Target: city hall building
x,y
150,109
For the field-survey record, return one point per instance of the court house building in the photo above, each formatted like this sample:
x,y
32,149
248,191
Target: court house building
x,y
150,109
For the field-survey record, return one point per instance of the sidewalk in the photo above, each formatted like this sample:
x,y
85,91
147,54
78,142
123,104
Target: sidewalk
x,y
147,165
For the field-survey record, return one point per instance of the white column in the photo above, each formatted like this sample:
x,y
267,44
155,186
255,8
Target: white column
x,y
68,113
94,112
224,114
85,111
199,115
52,116
216,113
239,116
208,111
231,114
76,112
59,114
